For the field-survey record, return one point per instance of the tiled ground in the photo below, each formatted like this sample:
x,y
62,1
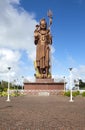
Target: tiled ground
x,y
42,113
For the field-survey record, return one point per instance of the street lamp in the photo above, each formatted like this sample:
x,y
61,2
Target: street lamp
x,y
71,100
8,91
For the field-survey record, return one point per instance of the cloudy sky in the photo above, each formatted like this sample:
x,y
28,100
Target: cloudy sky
x,y
17,24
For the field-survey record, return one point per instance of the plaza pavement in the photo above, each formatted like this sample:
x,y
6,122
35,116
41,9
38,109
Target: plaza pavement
x,y
42,113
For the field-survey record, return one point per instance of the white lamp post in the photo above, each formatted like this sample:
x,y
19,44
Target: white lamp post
x,y
71,100
8,91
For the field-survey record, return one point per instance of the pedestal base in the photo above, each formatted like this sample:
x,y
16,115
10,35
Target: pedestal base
x,y
43,85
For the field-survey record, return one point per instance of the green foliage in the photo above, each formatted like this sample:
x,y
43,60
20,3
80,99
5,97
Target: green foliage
x,y
4,86
15,94
81,84
1,88
76,93
67,93
83,94
3,94
73,93
0,94
5,89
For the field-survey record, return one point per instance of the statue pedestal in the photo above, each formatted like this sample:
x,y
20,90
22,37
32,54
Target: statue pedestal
x,y
43,85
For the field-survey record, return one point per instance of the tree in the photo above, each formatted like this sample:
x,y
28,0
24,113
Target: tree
x,y
81,84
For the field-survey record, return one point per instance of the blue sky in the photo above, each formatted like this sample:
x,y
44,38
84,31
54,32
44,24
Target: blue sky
x,y
17,24
68,30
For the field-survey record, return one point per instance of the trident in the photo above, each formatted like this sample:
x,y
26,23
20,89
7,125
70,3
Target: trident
x,y
50,14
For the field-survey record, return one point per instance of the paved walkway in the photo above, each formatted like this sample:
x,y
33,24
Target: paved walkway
x,y
42,113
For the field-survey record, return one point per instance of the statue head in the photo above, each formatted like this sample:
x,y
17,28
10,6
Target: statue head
x,y
43,24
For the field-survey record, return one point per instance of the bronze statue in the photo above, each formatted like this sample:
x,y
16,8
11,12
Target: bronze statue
x,y
43,40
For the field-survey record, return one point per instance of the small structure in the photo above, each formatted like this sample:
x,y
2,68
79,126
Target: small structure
x,y
43,42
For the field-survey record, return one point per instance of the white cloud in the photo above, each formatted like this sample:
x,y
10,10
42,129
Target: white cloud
x,y
32,55
16,27
8,55
9,58
29,79
79,73
16,35
14,1
71,61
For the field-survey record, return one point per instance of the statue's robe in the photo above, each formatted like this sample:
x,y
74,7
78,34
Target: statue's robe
x,y
43,40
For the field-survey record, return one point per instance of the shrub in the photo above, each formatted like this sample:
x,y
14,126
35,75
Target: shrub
x,y
15,94
67,93
3,94
83,94
0,93
5,89
73,93
1,89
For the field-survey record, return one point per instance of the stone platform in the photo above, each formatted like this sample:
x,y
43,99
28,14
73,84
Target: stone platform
x,y
43,85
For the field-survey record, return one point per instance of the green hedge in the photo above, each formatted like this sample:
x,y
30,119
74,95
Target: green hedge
x,y
73,93
14,94
67,93
83,94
